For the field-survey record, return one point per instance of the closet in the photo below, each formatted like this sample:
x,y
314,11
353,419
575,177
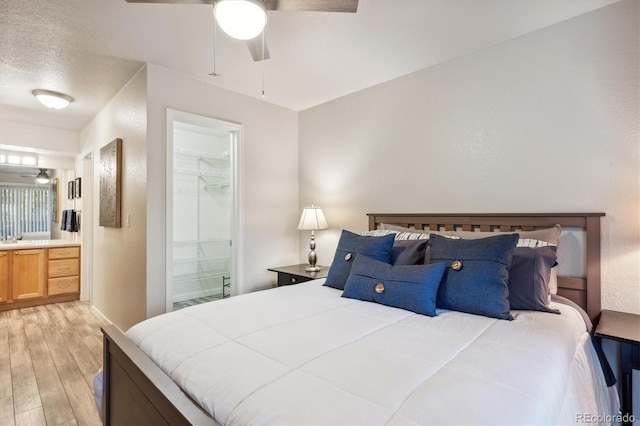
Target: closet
x,y
202,214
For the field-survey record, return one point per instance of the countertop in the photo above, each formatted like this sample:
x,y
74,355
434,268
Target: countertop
x,y
28,244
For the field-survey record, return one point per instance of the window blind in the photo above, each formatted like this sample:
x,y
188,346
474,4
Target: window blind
x,y
24,209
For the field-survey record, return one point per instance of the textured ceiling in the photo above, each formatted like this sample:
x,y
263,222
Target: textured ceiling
x,y
90,48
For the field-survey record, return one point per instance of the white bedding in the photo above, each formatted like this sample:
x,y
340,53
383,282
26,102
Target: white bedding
x,y
303,355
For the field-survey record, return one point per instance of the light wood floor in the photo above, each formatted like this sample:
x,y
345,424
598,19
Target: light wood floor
x,y
48,357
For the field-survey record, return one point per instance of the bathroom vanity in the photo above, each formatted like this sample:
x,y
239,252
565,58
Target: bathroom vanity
x,y
38,272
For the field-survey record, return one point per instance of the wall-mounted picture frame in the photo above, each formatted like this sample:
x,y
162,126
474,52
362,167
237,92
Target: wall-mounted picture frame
x,y
111,183
71,189
78,188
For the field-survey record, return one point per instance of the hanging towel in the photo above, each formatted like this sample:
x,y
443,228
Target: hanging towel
x,y
72,221
69,221
63,220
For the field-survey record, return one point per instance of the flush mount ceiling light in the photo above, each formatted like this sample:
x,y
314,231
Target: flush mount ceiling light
x,y
51,99
42,177
241,19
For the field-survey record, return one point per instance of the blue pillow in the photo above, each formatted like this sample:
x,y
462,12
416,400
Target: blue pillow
x,y
349,247
410,287
476,278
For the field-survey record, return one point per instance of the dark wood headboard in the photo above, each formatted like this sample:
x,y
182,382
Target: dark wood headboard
x,y
583,291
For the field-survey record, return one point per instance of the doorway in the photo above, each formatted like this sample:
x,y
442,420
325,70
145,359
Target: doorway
x,y
203,209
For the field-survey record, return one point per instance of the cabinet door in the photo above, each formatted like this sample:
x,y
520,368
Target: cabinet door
x,y
4,275
28,274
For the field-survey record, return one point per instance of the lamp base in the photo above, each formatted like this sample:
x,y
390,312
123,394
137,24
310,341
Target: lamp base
x,y
313,268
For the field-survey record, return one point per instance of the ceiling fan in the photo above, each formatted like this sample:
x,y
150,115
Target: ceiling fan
x,y
232,15
28,172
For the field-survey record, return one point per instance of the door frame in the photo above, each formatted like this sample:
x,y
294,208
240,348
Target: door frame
x,y
86,281
235,131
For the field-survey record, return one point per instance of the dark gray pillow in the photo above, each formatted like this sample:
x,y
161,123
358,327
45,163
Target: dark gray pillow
x,y
476,278
349,247
408,252
529,278
410,287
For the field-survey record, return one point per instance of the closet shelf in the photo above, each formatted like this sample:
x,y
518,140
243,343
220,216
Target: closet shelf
x,y
217,186
200,173
198,260
199,154
199,275
186,243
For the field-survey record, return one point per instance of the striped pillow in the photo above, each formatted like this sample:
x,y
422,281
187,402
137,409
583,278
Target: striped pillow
x,y
398,235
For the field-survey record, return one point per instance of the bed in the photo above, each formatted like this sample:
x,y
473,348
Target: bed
x,y
364,363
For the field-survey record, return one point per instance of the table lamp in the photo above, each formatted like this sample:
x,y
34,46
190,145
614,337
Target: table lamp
x,y
312,219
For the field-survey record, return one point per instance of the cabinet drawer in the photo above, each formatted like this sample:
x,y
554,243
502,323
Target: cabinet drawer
x,y
289,279
63,268
64,252
63,285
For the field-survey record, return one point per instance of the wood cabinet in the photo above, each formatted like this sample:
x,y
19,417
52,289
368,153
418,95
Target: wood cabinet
x,y
4,276
28,273
36,276
64,270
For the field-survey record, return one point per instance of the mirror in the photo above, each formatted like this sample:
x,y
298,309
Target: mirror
x,y
43,217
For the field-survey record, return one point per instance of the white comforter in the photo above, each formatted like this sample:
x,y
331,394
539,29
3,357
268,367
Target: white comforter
x,y
303,355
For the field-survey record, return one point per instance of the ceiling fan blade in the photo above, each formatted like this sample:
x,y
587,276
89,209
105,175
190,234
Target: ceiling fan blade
x,y
348,6
172,1
255,48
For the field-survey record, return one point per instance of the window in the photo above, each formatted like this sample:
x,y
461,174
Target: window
x,y
24,209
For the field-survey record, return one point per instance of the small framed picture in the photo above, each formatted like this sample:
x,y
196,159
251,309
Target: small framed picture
x,y
71,189
78,192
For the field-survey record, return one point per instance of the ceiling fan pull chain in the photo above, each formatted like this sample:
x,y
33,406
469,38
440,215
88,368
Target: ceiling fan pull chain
x,y
263,61
215,38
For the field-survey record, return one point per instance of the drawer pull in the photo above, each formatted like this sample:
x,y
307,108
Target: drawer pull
x,y
293,280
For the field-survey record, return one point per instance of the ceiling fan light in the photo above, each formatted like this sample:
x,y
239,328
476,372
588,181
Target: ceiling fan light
x,y
51,99
241,19
42,177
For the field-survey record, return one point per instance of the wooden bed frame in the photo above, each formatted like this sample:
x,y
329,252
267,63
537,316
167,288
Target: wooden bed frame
x,y
137,391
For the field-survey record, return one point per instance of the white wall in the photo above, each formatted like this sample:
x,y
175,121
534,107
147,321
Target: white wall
x,y
119,254
270,175
56,147
547,122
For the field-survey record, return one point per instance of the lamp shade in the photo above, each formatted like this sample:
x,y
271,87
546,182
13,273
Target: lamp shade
x,y
241,19
312,219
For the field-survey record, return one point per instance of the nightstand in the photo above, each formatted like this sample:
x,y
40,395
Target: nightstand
x,y
625,328
295,274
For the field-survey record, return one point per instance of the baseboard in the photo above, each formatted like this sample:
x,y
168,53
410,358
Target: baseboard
x,y
103,316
